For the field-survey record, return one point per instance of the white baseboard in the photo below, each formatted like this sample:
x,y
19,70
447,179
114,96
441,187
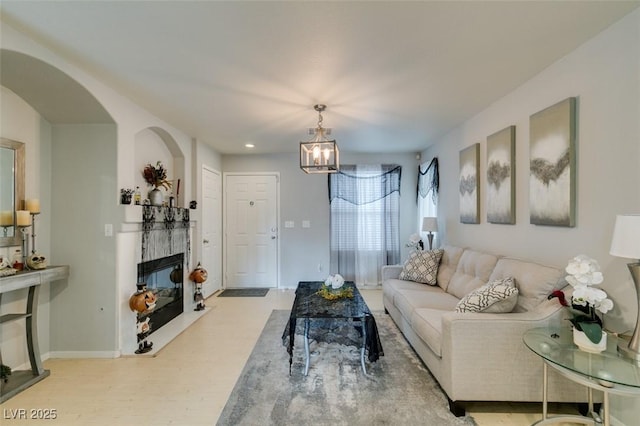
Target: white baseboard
x,y
82,354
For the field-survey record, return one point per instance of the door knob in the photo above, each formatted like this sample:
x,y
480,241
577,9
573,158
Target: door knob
x,y
205,241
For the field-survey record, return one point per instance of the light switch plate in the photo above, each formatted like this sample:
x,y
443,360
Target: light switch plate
x,y
306,224
289,224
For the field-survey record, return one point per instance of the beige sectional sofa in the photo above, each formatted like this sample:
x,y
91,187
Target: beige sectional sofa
x,y
480,356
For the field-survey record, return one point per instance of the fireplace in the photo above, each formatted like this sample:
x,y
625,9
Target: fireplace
x,y
164,278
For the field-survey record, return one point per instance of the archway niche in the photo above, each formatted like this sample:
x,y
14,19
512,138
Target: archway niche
x,y
155,144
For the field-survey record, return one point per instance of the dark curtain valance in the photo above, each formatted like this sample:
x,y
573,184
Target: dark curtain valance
x,y
429,180
381,181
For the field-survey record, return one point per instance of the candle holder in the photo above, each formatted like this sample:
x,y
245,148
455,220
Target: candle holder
x,y
25,244
33,231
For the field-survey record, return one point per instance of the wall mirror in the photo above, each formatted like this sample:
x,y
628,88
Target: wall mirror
x,y
11,189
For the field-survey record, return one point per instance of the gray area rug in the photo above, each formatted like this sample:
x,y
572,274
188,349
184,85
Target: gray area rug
x,y
398,389
244,292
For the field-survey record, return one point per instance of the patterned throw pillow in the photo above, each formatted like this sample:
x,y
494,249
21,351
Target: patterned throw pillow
x,y
422,266
498,296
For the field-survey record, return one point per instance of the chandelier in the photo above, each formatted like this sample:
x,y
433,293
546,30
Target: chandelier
x,y
319,155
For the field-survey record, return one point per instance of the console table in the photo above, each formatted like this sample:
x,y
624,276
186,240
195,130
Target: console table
x,y
606,371
31,280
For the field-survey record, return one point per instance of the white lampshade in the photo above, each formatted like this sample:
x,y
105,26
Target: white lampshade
x,y
626,237
430,224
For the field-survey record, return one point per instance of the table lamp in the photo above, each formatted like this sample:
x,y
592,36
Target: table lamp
x,y
430,225
626,243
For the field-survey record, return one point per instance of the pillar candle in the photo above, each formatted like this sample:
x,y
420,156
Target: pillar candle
x,y
6,218
33,205
22,218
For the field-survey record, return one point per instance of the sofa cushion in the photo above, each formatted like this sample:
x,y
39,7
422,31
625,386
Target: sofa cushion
x,y
408,300
473,271
391,287
497,296
422,266
534,281
448,265
427,324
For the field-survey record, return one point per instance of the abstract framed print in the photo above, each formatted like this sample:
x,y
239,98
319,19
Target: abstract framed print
x,y
470,184
552,177
501,176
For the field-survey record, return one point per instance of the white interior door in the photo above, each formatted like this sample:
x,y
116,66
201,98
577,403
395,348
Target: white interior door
x,y
251,233
211,244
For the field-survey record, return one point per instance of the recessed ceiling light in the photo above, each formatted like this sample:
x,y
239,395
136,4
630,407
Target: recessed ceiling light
x,y
249,145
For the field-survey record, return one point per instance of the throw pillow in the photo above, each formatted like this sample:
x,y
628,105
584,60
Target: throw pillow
x,y
497,296
422,266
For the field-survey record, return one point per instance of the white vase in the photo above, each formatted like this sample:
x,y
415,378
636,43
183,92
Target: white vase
x,y
155,197
584,344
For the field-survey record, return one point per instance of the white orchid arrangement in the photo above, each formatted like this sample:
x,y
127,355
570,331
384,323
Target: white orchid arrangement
x,y
415,242
583,274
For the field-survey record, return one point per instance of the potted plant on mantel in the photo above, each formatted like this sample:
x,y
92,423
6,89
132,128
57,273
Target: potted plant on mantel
x,y
156,177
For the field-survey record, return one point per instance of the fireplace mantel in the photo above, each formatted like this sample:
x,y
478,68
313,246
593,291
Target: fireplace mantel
x,y
131,218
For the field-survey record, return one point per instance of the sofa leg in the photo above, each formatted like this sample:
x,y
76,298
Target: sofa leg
x,y
456,408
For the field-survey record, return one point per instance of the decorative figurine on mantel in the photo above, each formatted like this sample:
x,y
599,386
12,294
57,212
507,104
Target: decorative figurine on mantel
x,y
36,261
5,268
142,302
198,276
156,177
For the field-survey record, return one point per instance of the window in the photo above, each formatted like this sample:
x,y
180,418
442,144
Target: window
x,y
428,186
365,215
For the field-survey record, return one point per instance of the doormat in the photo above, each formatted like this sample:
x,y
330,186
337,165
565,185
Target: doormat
x,y
244,292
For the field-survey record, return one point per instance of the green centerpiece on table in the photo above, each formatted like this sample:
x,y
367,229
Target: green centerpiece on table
x,y
333,288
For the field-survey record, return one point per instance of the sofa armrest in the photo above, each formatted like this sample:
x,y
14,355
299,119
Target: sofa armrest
x,y
461,330
391,272
489,347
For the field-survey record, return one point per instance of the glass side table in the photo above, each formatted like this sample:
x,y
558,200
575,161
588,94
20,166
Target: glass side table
x,y
606,371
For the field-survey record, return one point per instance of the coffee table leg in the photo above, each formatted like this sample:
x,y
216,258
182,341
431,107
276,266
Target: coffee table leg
x,y
364,346
306,345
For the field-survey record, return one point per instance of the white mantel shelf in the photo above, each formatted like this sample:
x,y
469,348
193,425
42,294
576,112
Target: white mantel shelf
x,y
132,217
32,280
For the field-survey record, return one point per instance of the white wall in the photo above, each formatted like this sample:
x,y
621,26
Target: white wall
x,y
20,122
604,74
98,298
305,197
83,176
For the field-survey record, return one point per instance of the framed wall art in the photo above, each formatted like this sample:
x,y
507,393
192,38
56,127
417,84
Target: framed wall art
x,y
552,177
501,200
470,184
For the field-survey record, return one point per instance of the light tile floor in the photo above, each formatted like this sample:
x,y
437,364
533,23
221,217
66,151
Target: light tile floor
x,y
187,382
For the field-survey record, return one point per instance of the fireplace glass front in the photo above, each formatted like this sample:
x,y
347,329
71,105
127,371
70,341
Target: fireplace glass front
x,y
164,278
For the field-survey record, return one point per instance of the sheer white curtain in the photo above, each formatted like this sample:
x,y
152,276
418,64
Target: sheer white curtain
x,y
365,204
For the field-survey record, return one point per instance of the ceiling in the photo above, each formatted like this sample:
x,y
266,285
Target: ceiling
x,y
394,75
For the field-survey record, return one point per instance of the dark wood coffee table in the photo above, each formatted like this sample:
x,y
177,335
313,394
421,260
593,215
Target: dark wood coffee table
x,y
310,306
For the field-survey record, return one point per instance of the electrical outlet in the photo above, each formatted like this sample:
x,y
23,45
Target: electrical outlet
x,y
108,230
